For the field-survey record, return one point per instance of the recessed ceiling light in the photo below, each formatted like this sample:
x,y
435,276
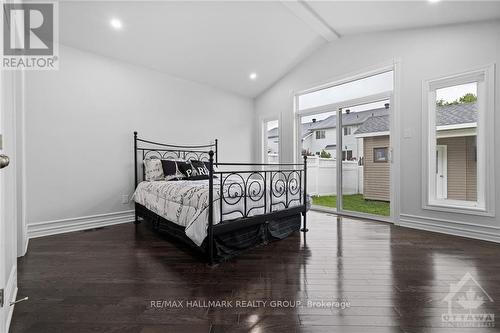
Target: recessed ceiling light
x,y
116,23
253,76
432,1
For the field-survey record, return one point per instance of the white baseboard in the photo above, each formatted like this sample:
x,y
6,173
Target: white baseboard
x,y
47,228
10,295
26,243
455,228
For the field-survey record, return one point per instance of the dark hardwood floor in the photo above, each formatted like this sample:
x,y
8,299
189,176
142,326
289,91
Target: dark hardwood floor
x,y
395,280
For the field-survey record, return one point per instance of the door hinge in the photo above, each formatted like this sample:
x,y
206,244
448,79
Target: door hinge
x,y
1,298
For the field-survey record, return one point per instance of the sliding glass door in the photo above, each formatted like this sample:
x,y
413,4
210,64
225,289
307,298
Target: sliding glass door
x,y
318,143
365,166
344,129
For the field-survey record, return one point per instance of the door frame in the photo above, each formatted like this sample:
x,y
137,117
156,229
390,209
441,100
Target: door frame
x,y
395,136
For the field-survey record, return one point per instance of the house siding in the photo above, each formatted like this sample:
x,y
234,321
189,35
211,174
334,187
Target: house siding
x,y
376,175
462,170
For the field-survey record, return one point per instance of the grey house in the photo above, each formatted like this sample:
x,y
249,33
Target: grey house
x,y
322,135
455,150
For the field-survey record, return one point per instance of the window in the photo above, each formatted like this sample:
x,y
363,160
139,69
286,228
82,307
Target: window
x,y
271,141
375,84
320,135
458,109
347,130
347,155
381,154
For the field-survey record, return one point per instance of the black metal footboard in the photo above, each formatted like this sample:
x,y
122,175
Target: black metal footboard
x,y
259,193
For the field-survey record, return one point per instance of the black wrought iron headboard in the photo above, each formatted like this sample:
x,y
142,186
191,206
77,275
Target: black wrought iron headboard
x,y
147,149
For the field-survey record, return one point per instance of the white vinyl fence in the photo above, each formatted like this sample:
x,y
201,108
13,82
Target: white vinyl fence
x,y
273,158
322,175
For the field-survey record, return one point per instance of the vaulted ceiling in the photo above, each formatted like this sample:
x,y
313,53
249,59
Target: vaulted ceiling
x,y
221,43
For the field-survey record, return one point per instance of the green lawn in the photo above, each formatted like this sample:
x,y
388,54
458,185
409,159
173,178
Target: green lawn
x,y
355,203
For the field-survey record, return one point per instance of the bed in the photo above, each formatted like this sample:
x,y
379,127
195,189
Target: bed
x,y
237,206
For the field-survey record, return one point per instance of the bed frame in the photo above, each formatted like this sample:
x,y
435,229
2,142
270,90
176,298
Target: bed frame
x,y
288,184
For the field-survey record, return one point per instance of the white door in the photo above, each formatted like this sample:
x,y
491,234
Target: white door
x,y
8,226
442,171
3,307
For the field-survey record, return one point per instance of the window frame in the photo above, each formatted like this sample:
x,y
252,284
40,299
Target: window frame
x,y
386,159
345,155
322,134
485,204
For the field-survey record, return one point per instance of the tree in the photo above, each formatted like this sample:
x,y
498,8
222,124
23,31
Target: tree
x,y
325,154
440,102
467,98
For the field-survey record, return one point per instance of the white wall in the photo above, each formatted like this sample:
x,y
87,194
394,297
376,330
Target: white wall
x,y
79,125
423,54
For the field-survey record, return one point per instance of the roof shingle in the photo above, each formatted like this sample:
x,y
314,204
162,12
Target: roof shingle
x,y
445,115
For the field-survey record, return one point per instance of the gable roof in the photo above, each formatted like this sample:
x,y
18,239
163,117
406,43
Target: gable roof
x,y
445,115
374,125
456,114
352,118
272,133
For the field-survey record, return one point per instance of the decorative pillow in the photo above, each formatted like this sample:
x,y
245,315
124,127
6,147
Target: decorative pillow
x,y
171,169
207,165
153,169
187,169
201,168
194,170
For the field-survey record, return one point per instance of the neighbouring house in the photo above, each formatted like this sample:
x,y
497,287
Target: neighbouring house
x,y
455,150
273,137
322,135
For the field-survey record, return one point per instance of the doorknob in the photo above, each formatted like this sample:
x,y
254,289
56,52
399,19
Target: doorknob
x,y
4,161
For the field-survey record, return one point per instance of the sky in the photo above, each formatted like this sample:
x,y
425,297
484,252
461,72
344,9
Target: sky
x,y
355,89
366,87
452,93
272,124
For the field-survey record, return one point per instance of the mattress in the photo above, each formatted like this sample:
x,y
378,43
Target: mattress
x,y
185,203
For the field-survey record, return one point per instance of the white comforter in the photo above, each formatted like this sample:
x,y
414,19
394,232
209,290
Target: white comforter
x,y
185,202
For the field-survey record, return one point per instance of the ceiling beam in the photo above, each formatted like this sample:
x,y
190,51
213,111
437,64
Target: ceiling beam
x,y
310,17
